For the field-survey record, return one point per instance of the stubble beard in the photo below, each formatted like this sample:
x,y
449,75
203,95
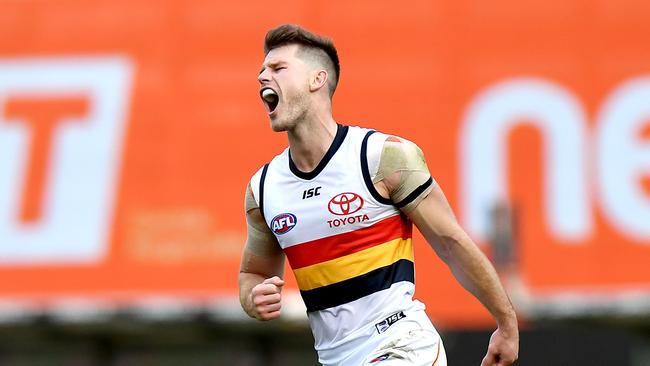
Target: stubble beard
x,y
295,110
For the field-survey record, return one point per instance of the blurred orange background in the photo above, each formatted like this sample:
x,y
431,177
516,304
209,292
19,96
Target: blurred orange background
x,y
195,130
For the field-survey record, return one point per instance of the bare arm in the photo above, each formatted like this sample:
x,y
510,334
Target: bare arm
x,y
434,218
262,267
437,223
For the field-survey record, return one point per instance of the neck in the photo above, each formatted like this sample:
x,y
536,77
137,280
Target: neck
x,y
310,140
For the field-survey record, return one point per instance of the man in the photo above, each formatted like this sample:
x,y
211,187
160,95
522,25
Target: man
x,y
339,203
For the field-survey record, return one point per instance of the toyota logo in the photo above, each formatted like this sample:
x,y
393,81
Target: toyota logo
x,y
345,203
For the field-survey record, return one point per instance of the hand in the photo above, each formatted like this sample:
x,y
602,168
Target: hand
x,y
266,298
503,349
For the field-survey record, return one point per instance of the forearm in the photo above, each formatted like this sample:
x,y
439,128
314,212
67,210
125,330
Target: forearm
x,y
476,274
472,269
246,283
253,270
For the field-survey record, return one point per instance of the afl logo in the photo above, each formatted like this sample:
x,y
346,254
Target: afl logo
x,y
283,223
345,203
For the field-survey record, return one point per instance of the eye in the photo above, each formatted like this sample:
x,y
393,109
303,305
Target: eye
x,y
280,68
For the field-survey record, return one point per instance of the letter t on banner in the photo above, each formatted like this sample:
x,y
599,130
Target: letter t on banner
x,y
61,133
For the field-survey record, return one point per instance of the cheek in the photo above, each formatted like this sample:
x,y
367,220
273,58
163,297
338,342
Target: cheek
x,y
296,83
291,91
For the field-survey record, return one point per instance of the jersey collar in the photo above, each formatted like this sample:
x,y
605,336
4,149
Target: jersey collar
x,y
341,132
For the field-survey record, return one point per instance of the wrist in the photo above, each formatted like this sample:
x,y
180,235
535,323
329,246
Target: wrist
x,y
508,323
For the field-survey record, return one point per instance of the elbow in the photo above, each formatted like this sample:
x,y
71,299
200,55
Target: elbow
x,y
446,246
442,249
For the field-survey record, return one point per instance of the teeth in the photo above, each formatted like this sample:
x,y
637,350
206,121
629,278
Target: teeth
x,y
269,95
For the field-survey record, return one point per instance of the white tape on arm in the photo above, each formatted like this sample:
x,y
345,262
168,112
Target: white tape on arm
x,y
404,170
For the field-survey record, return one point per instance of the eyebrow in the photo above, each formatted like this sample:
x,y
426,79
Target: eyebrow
x,y
272,64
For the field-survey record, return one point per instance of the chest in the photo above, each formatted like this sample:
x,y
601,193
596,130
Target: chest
x,y
338,201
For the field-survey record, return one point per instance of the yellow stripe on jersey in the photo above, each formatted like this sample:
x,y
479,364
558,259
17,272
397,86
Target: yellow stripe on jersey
x,y
353,265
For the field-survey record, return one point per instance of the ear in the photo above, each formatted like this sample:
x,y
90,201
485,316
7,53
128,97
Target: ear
x,y
318,80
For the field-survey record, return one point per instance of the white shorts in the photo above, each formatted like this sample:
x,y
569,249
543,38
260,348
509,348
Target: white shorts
x,y
417,347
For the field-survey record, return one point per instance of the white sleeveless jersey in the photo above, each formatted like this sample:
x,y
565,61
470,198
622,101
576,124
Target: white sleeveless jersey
x,y
349,248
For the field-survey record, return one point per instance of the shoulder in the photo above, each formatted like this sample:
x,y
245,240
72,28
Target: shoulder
x,y
260,175
378,141
402,149
386,150
253,187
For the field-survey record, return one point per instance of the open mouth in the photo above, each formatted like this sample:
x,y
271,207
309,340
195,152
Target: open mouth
x,y
270,98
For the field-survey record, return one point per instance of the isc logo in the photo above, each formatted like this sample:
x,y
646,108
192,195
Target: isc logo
x,y
383,325
283,223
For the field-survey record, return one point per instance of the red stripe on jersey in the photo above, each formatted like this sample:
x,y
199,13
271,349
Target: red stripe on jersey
x,y
331,247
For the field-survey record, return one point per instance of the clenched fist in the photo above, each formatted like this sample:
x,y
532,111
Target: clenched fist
x,y
503,348
266,298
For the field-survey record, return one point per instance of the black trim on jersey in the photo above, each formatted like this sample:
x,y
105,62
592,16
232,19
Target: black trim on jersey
x,y
357,287
341,132
366,172
261,195
416,192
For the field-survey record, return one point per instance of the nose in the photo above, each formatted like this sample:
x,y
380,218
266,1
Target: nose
x,y
263,77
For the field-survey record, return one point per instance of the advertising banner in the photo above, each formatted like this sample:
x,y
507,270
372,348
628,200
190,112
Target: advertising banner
x,y
130,129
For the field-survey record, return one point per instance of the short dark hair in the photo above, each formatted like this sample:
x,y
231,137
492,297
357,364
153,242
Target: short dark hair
x,y
287,34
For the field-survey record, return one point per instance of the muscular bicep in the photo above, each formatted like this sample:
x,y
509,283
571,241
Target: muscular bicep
x,y
436,221
262,253
402,174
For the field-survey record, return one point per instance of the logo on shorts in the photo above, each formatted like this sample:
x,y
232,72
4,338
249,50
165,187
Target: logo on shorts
x,y
345,203
383,325
283,223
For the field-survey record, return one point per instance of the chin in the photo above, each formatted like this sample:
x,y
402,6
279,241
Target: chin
x,y
282,125
278,126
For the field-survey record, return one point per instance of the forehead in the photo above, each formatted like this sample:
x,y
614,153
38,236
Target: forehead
x,y
283,53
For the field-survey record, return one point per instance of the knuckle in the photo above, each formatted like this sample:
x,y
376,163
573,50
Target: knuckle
x,y
262,289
